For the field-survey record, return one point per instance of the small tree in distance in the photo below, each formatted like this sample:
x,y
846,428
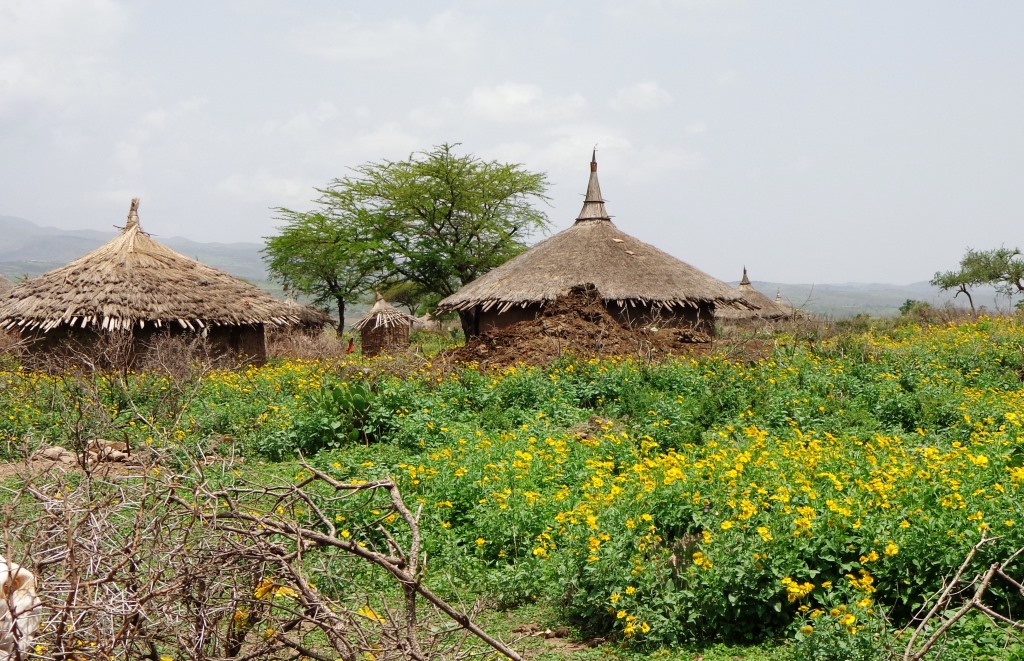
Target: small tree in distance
x,y
1002,268
322,257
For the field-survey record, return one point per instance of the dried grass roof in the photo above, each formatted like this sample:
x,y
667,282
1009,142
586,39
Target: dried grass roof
x,y
593,251
766,308
6,285
132,281
308,315
384,315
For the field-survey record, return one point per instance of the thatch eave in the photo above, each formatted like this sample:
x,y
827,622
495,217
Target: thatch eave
x,y
384,315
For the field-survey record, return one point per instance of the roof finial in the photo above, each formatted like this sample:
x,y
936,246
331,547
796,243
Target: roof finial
x,y
133,214
745,280
593,203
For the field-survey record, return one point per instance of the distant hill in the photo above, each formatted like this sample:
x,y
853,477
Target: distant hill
x,y
877,300
28,249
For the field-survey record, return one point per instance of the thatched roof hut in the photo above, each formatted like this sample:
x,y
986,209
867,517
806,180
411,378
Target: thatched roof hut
x,y
766,308
384,328
311,320
637,282
136,285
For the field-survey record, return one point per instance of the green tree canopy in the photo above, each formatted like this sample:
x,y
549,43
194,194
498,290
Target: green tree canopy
x,y
323,257
1002,268
436,221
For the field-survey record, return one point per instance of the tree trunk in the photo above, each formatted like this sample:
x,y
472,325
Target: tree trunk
x,y
341,314
967,292
470,323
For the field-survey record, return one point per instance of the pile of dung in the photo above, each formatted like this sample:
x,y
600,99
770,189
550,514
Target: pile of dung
x,y
577,324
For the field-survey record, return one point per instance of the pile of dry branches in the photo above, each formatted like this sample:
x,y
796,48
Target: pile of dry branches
x,y
199,565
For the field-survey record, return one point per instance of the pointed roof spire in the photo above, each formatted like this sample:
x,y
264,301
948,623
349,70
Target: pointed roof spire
x,y
745,280
133,215
593,204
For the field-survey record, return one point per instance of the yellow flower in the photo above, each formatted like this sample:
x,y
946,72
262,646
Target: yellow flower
x,y
615,597
480,541
891,549
369,613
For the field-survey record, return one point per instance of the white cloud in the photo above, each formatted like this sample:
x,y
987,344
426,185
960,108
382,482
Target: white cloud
x,y
386,141
153,126
696,128
55,51
645,95
349,37
435,115
302,123
262,185
522,103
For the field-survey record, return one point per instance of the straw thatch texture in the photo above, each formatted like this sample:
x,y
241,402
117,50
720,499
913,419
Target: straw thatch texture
x,y
310,319
384,328
633,277
5,285
766,308
132,282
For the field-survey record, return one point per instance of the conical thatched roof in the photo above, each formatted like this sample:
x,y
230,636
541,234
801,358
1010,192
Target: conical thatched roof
x,y
624,269
384,315
766,308
308,315
133,281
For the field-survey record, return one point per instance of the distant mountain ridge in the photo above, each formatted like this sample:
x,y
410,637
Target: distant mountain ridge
x,y
27,249
875,299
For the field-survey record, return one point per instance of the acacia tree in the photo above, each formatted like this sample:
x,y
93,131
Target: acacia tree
x,y
1002,268
438,220
322,256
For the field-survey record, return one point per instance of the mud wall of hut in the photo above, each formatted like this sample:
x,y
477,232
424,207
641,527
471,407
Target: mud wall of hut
x,y
379,339
700,318
124,349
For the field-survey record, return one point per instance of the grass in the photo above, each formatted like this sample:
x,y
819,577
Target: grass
x,y
806,504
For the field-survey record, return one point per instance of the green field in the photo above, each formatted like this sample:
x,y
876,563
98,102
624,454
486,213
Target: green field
x,y
808,505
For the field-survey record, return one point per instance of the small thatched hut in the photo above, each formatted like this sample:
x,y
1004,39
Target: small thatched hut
x,y
384,328
311,320
766,308
637,282
134,286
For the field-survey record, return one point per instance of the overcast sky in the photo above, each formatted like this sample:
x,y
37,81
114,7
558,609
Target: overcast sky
x,y
814,142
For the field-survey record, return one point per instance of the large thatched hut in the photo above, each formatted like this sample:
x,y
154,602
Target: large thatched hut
x,y
133,287
384,328
637,282
766,309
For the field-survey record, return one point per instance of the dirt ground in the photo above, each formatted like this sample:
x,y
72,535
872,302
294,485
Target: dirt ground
x,y
579,324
